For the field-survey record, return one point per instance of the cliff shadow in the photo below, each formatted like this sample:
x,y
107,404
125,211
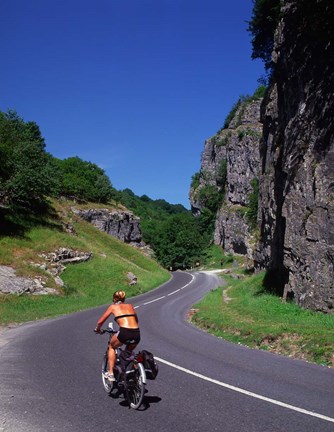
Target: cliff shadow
x,y
275,280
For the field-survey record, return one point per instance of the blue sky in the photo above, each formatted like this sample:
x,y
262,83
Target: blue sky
x,y
134,86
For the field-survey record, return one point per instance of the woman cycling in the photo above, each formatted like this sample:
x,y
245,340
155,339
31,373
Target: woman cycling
x,y
128,334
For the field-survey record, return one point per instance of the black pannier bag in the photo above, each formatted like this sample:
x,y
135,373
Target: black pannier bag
x,y
125,358
150,365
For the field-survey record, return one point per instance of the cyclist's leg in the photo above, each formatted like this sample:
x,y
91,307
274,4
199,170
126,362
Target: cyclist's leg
x,y
131,347
114,343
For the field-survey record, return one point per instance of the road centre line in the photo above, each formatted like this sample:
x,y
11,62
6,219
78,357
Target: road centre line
x,y
246,392
152,301
160,298
174,292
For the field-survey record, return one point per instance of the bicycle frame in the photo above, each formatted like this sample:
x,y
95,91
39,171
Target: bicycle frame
x,y
131,381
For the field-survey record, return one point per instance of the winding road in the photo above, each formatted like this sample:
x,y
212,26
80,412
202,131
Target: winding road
x,y
50,376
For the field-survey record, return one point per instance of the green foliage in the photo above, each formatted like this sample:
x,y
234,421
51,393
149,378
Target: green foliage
x,y
28,174
260,92
87,284
232,113
243,312
179,244
206,224
84,180
222,174
241,134
195,180
27,171
152,213
210,197
265,17
214,257
253,203
243,100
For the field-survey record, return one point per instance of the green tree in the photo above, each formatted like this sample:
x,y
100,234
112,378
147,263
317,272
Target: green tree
x,y
28,172
262,26
84,180
180,245
152,213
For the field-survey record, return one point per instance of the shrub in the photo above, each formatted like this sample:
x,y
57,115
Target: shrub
x,y
253,200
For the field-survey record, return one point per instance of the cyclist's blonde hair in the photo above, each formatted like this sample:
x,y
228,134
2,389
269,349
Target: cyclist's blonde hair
x,y
119,296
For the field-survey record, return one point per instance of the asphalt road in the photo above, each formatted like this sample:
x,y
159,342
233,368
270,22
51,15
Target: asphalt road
x,y
50,376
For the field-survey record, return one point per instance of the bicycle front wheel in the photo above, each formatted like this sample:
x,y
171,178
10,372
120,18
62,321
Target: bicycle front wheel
x,y
135,387
107,385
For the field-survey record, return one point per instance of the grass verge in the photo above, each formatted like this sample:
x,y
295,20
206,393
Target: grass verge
x,y
87,284
241,312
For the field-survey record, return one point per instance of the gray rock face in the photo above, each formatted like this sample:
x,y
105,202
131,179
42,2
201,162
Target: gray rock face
x,y
120,224
297,179
238,148
10,283
294,163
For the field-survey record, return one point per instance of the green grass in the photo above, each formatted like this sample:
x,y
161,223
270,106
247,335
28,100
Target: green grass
x,y
242,312
87,284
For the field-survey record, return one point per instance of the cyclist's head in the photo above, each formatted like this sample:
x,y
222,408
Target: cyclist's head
x,y
119,296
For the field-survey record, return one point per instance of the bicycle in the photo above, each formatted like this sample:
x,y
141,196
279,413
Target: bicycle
x,y
130,378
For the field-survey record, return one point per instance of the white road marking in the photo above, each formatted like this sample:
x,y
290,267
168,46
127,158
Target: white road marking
x,y
192,278
152,301
246,392
231,387
160,298
174,292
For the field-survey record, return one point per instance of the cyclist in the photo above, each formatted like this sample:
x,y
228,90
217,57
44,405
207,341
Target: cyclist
x,y
128,334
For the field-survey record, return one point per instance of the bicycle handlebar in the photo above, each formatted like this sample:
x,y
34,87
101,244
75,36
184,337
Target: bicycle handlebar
x,y
102,331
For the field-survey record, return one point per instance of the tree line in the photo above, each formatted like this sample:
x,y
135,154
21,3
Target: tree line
x,y
29,175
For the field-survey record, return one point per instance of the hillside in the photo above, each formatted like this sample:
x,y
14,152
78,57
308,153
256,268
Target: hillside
x,y
87,284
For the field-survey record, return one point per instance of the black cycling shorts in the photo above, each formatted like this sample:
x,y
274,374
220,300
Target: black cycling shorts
x,y
128,336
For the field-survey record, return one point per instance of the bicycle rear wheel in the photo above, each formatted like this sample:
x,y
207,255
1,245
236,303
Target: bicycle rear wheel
x,y
135,386
107,385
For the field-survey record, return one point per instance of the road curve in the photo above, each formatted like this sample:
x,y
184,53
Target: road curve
x,y
50,376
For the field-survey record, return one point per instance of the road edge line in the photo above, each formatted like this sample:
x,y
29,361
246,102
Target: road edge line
x,y
246,392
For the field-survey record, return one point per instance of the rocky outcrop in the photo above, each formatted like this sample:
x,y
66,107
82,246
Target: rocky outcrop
x,y
123,225
55,261
297,152
230,163
54,264
10,283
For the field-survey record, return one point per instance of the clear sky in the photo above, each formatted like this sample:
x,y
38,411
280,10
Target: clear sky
x,y
134,86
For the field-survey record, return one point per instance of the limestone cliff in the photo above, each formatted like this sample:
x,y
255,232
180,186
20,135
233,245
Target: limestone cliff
x,y
230,163
123,225
294,162
297,153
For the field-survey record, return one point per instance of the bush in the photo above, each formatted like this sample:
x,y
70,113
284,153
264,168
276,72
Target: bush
x,y
210,197
253,203
195,180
